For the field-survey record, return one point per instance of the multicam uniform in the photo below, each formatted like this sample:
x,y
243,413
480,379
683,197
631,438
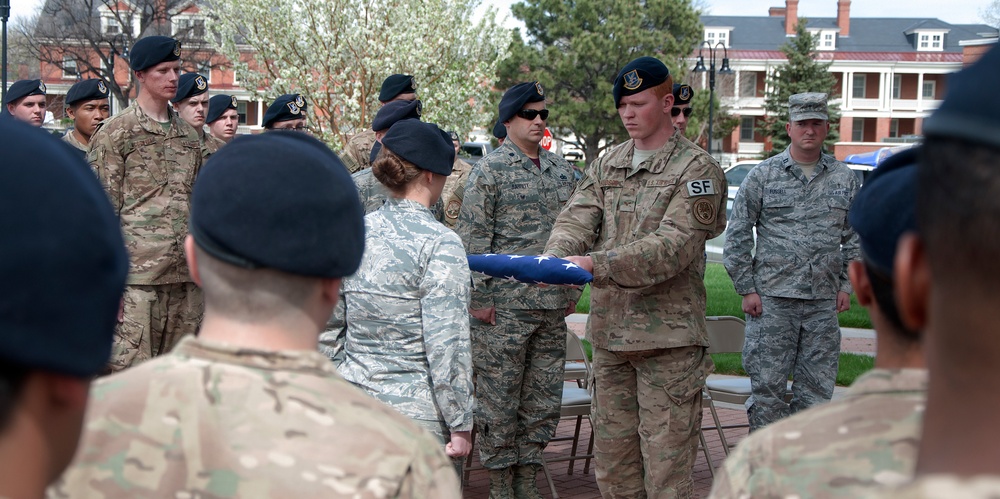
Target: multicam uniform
x,y
357,152
645,228
866,439
404,337
148,174
210,145
211,420
70,139
510,206
941,486
804,246
452,203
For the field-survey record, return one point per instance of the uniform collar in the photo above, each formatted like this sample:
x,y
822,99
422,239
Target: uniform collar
x,y
289,360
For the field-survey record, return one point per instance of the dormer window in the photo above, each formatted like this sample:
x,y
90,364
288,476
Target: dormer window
x,y
824,39
928,40
716,35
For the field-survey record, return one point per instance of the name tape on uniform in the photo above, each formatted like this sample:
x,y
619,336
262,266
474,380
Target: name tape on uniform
x,y
703,187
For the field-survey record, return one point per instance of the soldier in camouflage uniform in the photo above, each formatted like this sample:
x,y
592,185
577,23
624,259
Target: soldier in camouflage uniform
x,y
459,175
147,158
87,104
191,104
796,282
869,437
644,212
250,408
519,331
415,272
357,153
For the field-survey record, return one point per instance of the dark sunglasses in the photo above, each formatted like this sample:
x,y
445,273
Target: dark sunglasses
x,y
530,114
675,111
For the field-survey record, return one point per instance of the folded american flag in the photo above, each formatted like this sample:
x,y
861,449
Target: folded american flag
x,y
531,269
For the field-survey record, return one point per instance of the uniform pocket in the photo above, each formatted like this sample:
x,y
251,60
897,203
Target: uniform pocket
x,y
680,373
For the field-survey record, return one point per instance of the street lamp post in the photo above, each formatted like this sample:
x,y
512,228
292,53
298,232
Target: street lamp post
x,y
4,15
700,68
112,80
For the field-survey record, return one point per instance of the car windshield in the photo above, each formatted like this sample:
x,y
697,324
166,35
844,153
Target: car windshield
x,y
735,176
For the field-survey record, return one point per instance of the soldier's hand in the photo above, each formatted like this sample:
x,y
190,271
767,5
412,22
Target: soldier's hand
x,y
752,305
460,445
485,314
843,302
584,262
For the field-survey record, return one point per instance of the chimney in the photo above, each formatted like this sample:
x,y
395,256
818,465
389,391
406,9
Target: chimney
x,y
844,17
776,12
791,16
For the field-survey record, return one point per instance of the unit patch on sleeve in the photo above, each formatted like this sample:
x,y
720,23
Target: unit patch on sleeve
x,y
702,187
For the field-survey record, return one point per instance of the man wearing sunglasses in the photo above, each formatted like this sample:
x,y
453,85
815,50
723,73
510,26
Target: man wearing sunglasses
x,y
511,200
682,106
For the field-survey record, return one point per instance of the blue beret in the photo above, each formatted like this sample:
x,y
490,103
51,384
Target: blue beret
x,y
395,85
885,208
454,136
394,111
218,104
500,131
970,110
516,97
423,144
638,75
285,108
62,259
153,50
682,94
92,89
280,200
23,88
376,147
190,85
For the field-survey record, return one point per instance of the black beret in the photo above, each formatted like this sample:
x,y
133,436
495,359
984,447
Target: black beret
x,y
970,110
285,108
92,89
423,144
280,200
885,208
394,111
638,75
190,85
62,259
454,136
218,104
23,88
376,147
517,96
682,94
153,50
395,85
500,131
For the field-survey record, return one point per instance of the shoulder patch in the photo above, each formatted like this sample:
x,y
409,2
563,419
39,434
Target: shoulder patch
x,y
704,211
701,187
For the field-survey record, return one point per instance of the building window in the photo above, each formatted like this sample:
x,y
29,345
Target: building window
x,y
69,68
894,127
930,41
241,109
110,25
858,86
858,133
190,27
929,90
205,69
716,35
748,84
897,86
746,129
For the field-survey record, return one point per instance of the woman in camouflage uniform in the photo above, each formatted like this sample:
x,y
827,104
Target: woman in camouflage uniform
x,y
403,332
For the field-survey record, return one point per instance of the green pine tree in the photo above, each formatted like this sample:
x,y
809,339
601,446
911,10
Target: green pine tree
x,y
802,73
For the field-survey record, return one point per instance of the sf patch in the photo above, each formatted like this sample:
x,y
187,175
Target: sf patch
x,y
704,211
702,187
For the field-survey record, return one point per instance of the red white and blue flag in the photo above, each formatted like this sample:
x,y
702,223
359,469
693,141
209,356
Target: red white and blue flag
x,y
541,269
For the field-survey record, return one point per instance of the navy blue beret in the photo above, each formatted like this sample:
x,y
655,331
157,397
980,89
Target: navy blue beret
x,y
280,200
394,111
423,144
500,131
62,259
970,110
23,88
153,50
395,85
218,104
190,85
454,136
376,147
885,208
92,89
682,94
638,75
285,108
516,97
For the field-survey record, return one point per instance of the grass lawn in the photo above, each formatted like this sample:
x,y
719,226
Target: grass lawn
x,y
723,300
851,366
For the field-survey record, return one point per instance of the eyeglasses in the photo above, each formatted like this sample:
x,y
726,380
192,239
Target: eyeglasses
x,y
531,114
676,111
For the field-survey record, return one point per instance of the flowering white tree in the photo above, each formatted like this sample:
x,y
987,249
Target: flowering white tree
x,y
337,52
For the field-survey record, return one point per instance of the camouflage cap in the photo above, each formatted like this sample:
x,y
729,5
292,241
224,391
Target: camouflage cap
x,y
807,106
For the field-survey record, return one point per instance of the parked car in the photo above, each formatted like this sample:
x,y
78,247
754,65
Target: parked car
x,y
736,172
474,151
